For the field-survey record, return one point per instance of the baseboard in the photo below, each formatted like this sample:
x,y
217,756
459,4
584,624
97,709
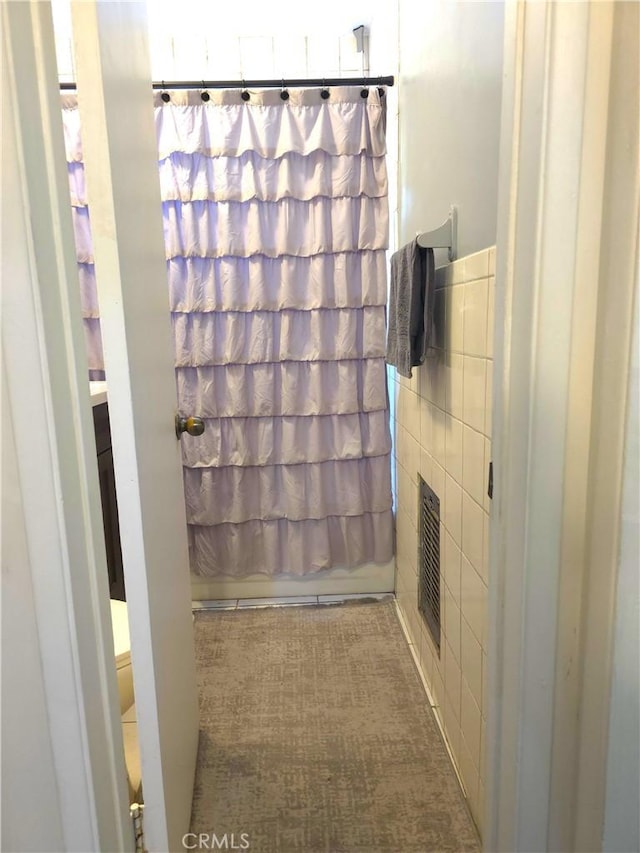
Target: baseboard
x,y
369,578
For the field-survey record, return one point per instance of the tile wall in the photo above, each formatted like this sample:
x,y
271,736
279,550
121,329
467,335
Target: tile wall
x,y
442,420
193,52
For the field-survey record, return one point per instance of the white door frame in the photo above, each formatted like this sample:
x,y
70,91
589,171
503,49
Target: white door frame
x,y
113,75
48,398
565,281
47,395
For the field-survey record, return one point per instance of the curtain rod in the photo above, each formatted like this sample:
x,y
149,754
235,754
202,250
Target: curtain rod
x,y
263,84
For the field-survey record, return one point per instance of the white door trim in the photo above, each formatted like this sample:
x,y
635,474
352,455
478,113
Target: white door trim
x,y
48,394
555,258
120,153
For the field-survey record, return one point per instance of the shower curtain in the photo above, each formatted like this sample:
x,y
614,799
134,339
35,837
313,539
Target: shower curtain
x,y
276,221
82,231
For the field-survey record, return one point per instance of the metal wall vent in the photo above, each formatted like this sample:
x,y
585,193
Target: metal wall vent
x,y
429,559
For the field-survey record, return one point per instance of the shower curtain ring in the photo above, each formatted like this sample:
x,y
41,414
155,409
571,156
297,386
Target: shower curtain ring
x,y
364,92
166,97
324,92
204,95
284,94
243,92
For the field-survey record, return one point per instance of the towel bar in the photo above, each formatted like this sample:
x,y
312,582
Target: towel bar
x,y
444,237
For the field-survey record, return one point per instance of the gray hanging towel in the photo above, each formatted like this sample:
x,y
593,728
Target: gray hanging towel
x,y
411,303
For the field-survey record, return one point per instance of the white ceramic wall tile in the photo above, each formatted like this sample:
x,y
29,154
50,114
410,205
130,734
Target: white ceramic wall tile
x,y
188,54
454,376
444,432
426,425
350,59
452,678
290,56
407,575
476,266
408,451
453,447
426,656
412,413
451,557
439,319
437,483
470,722
415,618
400,444
223,57
442,274
471,660
401,404
491,291
438,661
438,436
437,682
424,380
488,405
486,500
323,52
468,772
475,317
454,311
492,260
425,466
452,623
474,392
455,272
485,548
451,727
407,538
472,531
64,57
473,601
434,380
453,508
162,62
407,491
413,456
473,463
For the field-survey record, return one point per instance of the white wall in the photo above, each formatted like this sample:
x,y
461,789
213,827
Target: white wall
x,y
30,803
450,97
622,825
254,39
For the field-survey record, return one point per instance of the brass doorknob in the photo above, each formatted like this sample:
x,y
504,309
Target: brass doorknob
x,y
194,426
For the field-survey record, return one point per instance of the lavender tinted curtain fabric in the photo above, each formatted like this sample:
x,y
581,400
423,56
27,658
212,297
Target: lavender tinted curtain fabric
x,y
276,223
84,250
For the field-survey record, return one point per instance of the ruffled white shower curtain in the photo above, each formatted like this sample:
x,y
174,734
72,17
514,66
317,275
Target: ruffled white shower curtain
x,y
276,222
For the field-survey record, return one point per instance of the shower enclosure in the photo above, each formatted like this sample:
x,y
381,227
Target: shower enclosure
x,y
276,227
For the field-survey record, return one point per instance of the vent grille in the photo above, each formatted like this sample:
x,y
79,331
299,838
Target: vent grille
x,y
429,559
